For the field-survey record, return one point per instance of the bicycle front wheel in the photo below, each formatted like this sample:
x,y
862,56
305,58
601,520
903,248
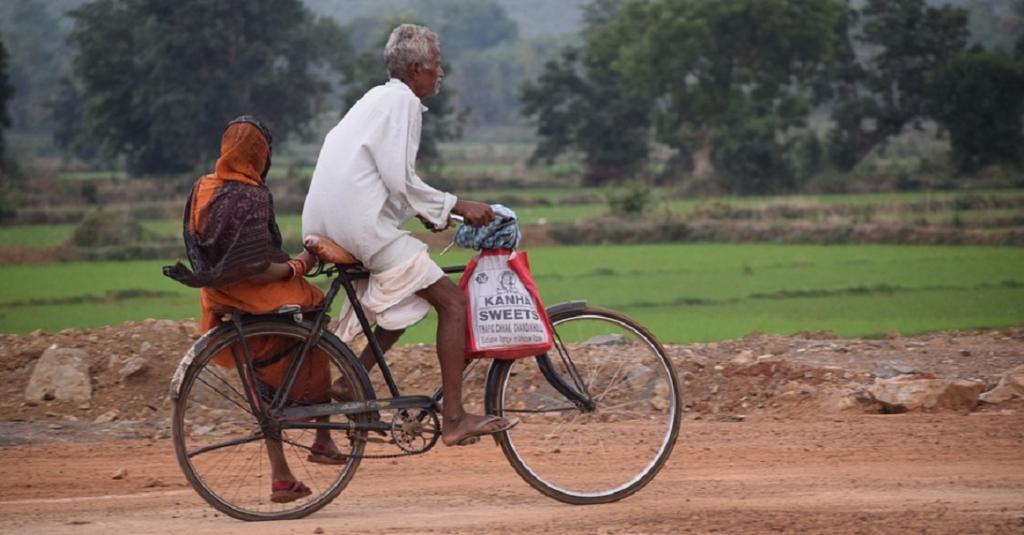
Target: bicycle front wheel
x,y
218,438
599,413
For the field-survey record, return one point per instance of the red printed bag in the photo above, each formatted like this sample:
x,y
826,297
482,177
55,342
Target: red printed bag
x,y
506,318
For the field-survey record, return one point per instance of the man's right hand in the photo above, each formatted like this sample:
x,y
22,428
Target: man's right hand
x,y
477,214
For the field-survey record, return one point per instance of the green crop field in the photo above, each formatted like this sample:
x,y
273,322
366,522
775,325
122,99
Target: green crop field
x,y
682,292
35,235
550,205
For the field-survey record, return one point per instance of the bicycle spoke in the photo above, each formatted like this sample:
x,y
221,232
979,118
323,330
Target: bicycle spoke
x,y
590,456
220,377
540,411
227,444
218,435
226,397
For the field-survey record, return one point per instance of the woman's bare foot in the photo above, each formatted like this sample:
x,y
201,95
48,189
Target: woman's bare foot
x,y
470,427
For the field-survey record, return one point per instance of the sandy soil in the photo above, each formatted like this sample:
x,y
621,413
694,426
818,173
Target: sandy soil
x,y
923,473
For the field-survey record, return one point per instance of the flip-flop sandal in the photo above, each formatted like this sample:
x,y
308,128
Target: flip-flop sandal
x,y
319,454
473,436
288,491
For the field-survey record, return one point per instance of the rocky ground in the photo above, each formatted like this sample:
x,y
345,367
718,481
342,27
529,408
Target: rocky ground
x,y
807,433
117,377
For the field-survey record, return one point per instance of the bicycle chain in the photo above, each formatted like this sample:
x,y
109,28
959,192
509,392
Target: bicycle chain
x,y
389,455
376,456
404,453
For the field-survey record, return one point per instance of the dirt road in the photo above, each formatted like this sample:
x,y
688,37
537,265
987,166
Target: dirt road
x,y
934,473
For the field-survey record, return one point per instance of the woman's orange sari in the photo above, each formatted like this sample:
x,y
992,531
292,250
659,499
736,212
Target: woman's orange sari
x,y
243,157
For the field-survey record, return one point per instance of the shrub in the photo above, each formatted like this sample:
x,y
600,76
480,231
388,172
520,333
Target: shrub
x,y
105,229
631,201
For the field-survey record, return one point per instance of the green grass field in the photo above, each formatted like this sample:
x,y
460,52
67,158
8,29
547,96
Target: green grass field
x,y
682,292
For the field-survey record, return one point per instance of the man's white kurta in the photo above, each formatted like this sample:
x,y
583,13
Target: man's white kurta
x,y
365,185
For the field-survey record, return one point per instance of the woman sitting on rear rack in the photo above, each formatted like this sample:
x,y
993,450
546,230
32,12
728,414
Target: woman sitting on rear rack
x,y
234,246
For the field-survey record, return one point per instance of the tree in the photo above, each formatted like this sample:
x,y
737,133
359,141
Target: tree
x,y
490,80
467,26
887,89
579,102
978,98
6,93
1018,17
715,71
443,122
37,59
161,78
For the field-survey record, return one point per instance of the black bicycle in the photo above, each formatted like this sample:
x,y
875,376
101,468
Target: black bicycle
x,y
599,412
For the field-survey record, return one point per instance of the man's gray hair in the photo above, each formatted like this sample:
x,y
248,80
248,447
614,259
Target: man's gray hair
x,y
408,44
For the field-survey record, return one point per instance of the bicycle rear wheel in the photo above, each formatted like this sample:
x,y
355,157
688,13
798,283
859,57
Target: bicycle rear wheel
x,y
220,444
599,413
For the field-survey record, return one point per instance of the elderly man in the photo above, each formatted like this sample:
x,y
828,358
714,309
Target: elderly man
x,y
365,188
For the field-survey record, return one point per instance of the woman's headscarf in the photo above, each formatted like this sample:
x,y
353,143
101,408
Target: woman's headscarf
x,y
230,230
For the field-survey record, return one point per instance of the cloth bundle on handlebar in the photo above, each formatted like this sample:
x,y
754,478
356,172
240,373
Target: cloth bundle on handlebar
x,y
501,233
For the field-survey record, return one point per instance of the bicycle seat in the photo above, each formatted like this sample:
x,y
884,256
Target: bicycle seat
x,y
328,251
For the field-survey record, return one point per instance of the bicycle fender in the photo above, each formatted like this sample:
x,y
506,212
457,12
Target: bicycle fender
x,y
190,355
204,340
561,308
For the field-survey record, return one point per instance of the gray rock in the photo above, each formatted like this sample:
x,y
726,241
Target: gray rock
x,y
132,367
606,340
202,429
191,328
1011,385
166,325
107,417
888,370
60,373
639,376
906,393
659,403
743,358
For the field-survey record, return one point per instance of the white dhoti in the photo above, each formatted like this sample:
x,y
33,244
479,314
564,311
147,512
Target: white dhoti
x,y
389,298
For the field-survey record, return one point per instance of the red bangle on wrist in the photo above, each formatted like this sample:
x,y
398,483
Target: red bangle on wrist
x,y
299,268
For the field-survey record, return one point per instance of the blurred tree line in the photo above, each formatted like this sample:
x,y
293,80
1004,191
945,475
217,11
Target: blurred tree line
x,y
757,95
152,82
730,88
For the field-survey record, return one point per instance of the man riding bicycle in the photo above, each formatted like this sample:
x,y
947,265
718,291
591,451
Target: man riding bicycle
x,y
365,187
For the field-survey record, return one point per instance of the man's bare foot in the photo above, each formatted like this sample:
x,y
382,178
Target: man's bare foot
x,y
470,427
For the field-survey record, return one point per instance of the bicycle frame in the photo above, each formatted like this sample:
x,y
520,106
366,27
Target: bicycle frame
x,y
297,417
